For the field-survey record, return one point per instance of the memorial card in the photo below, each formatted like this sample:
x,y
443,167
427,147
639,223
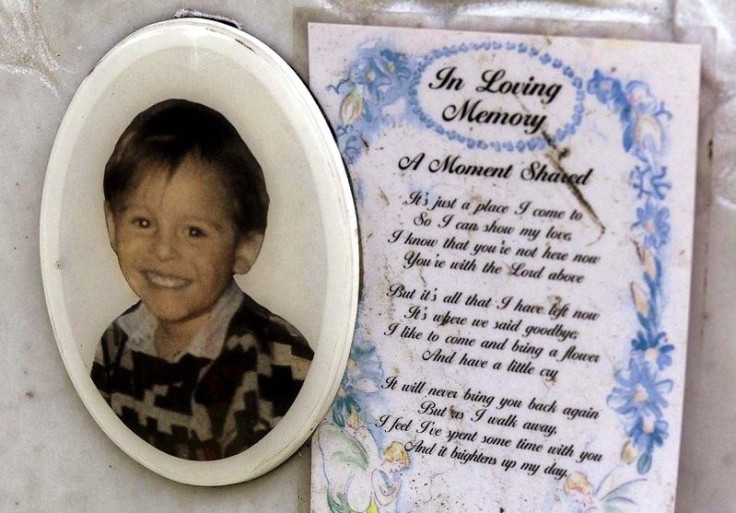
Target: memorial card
x,y
526,212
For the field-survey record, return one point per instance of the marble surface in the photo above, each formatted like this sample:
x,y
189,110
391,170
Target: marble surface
x,y
53,455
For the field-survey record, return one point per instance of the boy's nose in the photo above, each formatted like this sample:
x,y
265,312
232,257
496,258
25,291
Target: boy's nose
x,y
164,246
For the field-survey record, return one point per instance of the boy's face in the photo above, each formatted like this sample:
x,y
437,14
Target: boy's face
x,y
176,241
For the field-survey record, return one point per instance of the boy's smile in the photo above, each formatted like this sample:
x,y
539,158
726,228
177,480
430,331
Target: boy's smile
x,y
177,244
171,282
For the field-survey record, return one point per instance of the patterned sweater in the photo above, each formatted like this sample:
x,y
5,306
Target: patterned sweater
x,y
230,387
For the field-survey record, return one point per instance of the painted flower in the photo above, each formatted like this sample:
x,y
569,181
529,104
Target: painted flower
x,y
648,433
629,453
382,72
653,349
370,90
579,489
639,96
608,91
641,116
351,108
638,392
578,482
653,222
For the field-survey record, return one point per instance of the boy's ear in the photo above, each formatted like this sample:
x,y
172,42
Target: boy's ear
x,y
247,251
110,222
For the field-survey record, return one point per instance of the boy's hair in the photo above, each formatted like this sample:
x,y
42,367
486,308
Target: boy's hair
x,y
166,133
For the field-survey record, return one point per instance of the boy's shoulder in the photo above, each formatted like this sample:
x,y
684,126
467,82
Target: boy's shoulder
x,y
116,334
266,327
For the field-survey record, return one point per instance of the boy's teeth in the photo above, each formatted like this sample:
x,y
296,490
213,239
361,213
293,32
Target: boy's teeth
x,y
166,281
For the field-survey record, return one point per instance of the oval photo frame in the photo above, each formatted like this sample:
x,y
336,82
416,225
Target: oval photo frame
x,y
308,267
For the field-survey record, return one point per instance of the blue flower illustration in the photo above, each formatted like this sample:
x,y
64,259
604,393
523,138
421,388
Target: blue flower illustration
x,y
608,91
649,433
640,114
383,73
639,393
639,97
653,349
652,220
376,80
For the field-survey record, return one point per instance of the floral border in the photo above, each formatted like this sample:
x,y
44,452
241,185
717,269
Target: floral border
x,y
640,394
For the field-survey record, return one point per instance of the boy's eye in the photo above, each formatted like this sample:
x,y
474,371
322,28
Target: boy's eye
x,y
141,222
195,232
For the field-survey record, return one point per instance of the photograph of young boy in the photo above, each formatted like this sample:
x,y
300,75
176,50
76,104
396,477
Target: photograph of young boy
x,y
196,368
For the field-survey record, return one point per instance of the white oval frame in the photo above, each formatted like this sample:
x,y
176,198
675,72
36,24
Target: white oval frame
x,y
260,94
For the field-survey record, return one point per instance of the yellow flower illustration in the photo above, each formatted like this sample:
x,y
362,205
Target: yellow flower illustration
x,y
351,108
641,300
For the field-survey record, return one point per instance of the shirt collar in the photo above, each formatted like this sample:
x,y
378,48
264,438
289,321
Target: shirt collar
x,y
140,326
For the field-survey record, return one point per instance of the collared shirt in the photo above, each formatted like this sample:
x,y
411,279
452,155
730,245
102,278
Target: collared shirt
x,y
217,397
140,325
